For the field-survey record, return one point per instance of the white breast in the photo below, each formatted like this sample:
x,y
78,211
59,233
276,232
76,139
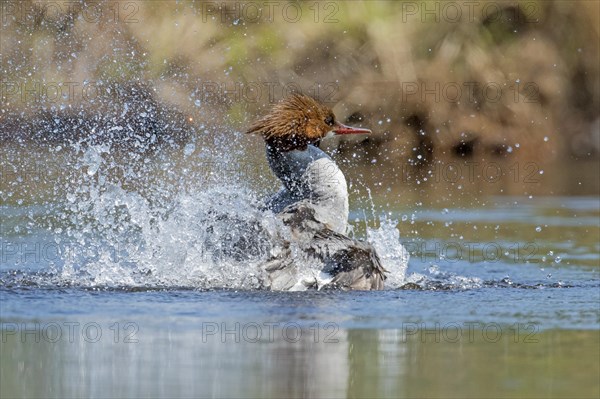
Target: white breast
x,y
328,192
311,175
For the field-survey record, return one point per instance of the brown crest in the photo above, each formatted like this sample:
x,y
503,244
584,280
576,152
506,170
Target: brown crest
x,y
295,122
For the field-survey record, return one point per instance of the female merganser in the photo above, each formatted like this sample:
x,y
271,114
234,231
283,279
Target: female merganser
x,y
313,201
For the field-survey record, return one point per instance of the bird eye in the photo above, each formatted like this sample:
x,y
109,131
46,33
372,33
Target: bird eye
x,y
329,120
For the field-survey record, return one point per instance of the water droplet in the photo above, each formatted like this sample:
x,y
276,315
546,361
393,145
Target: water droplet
x,y
189,149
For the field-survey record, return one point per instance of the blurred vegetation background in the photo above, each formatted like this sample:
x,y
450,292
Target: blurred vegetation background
x,y
518,79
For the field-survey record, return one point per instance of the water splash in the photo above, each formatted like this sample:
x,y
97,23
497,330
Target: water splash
x,y
393,255
212,238
440,280
126,225
186,233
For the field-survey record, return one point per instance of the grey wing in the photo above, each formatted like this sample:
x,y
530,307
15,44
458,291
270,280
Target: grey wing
x,y
354,264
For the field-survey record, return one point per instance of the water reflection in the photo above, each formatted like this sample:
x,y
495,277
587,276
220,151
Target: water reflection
x,y
451,360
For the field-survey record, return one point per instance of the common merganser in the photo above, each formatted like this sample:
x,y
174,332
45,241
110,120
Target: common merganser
x,y
313,201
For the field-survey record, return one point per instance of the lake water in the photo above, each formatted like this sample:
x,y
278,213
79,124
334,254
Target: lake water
x,y
102,293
